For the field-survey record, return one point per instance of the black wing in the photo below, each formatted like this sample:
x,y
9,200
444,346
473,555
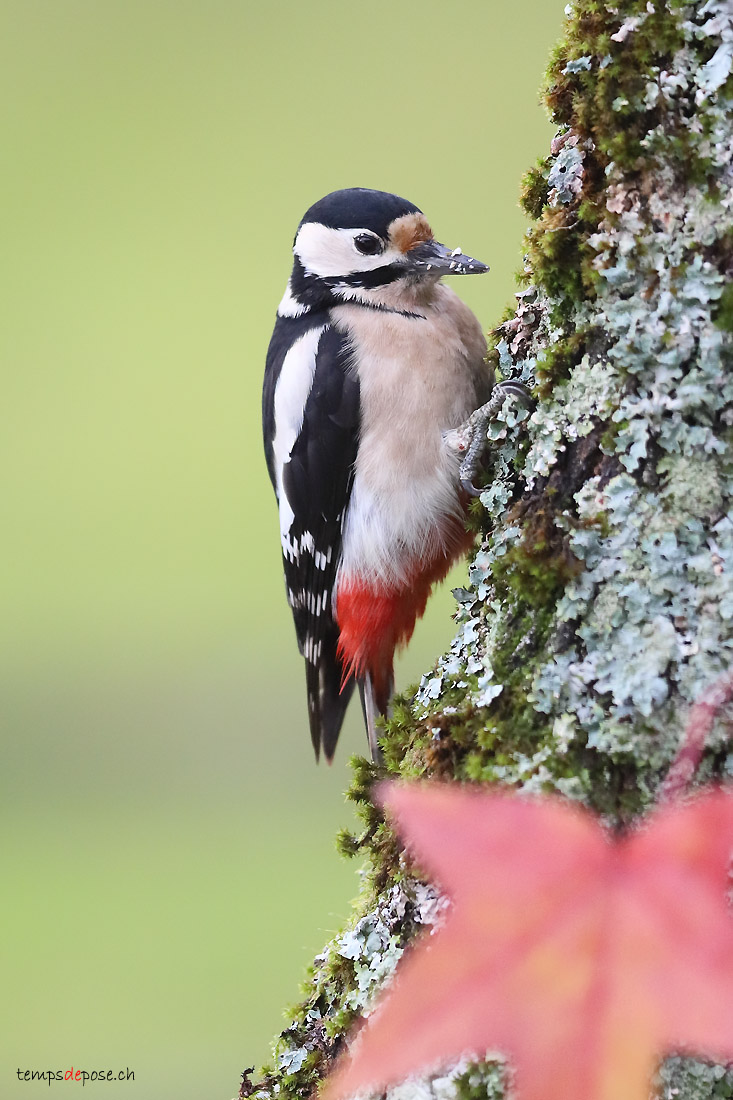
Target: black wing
x,y
317,480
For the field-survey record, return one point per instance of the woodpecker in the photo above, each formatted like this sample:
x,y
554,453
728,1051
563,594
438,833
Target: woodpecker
x,y
376,389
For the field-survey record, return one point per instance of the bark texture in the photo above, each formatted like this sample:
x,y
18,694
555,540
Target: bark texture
x,y
600,604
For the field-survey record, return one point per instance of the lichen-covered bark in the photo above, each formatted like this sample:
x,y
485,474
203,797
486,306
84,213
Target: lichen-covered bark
x,y
600,604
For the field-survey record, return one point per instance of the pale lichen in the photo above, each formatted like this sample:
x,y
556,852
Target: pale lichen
x,y
645,625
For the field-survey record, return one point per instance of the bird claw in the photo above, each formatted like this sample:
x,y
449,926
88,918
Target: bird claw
x,y
469,488
518,390
475,428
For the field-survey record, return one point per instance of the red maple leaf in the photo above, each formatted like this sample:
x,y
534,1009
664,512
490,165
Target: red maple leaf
x,y
582,958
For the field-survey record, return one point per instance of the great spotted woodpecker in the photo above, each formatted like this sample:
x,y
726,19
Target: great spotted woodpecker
x,y
372,371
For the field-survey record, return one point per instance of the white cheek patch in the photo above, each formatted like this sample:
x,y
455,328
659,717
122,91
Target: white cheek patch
x,y
329,253
291,394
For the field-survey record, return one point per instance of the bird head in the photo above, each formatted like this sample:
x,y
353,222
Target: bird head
x,y
353,243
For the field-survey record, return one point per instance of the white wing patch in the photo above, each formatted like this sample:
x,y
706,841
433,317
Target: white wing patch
x,y
291,394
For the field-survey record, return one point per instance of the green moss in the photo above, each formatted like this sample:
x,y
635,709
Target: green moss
x,y
560,259
609,103
533,195
485,1082
476,515
348,844
538,568
377,838
558,361
556,250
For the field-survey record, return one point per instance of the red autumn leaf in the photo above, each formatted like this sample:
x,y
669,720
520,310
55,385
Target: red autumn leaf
x,y
582,959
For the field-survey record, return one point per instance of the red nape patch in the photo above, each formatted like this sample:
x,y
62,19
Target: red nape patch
x,y
373,621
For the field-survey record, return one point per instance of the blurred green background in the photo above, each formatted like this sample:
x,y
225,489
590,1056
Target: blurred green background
x,y
167,859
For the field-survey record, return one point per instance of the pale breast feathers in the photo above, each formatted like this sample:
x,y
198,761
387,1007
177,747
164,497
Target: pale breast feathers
x,y
418,376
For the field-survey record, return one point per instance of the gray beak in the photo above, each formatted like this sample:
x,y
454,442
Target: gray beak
x,y
431,258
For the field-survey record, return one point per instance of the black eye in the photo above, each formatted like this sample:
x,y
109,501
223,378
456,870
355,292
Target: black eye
x,y
367,244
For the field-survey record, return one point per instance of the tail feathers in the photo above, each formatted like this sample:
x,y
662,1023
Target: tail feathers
x,y
373,704
327,702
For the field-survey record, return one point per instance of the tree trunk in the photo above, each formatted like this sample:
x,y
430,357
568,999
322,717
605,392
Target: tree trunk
x,y
600,603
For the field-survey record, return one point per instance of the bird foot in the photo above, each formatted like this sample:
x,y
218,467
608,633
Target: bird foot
x,y
469,438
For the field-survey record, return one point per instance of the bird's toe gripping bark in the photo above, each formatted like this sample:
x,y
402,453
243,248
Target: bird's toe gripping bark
x,y
469,438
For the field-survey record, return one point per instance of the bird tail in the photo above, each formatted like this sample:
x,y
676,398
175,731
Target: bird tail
x,y
374,703
328,698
